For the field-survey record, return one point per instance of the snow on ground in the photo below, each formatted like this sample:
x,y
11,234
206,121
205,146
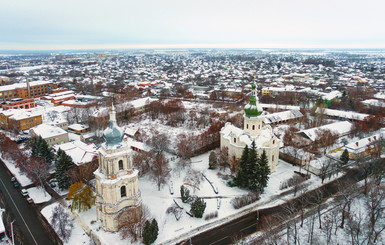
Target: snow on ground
x,y
21,177
159,201
39,195
78,236
331,218
149,126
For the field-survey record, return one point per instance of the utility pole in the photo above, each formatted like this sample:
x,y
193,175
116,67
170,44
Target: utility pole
x,y
13,235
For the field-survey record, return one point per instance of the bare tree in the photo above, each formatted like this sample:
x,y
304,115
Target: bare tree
x,y
159,142
355,228
223,158
346,195
62,222
142,161
375,206
129,228
160,170
37,170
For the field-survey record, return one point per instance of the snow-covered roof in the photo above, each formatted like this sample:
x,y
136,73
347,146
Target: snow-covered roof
x,y
47,131
229,130
19,114
77,127
362,144
79,151
380,95
281,107
22,85
282,116
338,128
374,102
343,114
331,95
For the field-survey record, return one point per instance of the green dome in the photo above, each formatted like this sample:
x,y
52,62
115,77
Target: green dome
x,y
251,109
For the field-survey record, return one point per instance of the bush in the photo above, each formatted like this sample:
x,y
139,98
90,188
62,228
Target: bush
x,y
239,202
295,180
198,208
184,194
211,215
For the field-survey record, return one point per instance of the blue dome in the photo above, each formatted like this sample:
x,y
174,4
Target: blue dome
x,y
113,134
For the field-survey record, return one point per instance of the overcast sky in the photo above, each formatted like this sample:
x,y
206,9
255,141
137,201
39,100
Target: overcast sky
x,y
66,24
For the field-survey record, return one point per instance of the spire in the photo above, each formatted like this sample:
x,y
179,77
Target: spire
x,y
113,134
251,109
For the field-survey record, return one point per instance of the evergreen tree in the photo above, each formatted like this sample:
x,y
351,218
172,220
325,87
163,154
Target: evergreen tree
x,y
263,171
252,166
198,208
40,148
345,156
213,160
242,177
154,230
63,163
184,194
147,233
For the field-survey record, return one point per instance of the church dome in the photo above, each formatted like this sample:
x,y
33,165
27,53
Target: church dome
x,y
113,134
253,109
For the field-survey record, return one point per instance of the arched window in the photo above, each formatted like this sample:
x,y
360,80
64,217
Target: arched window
x,y
247,126
120,164
259,126
122,191
273,142
235,140
253,127
272,158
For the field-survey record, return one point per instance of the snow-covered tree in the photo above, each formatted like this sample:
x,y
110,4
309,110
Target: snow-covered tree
x,y
62,222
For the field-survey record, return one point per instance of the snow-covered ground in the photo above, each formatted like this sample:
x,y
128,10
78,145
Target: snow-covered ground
x,y
21,177
159,201
330,223
39,195
78,235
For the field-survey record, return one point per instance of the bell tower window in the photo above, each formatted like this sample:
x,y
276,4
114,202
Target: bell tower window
x,y
253,127
122,191
235,140
120,164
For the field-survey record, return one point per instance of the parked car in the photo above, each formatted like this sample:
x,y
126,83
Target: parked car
x,y
24,192
29,200
16,184
13,179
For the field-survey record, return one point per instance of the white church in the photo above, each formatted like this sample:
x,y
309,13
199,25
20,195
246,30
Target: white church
x,y
118,196
254,129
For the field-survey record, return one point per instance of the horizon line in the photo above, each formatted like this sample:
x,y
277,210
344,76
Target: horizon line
x,y
192,46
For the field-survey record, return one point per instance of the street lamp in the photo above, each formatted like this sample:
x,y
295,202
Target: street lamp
x,y
13,235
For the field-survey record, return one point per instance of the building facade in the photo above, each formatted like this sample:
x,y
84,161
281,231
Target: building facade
x,y
118,197
26,90
20,119
235,139
19,103
51,134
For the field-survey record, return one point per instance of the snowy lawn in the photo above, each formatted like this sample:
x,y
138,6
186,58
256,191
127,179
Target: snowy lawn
x,y
39,195
78,236
159,201
21,177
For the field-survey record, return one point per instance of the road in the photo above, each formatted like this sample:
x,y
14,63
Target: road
x,y
25,215
252,222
